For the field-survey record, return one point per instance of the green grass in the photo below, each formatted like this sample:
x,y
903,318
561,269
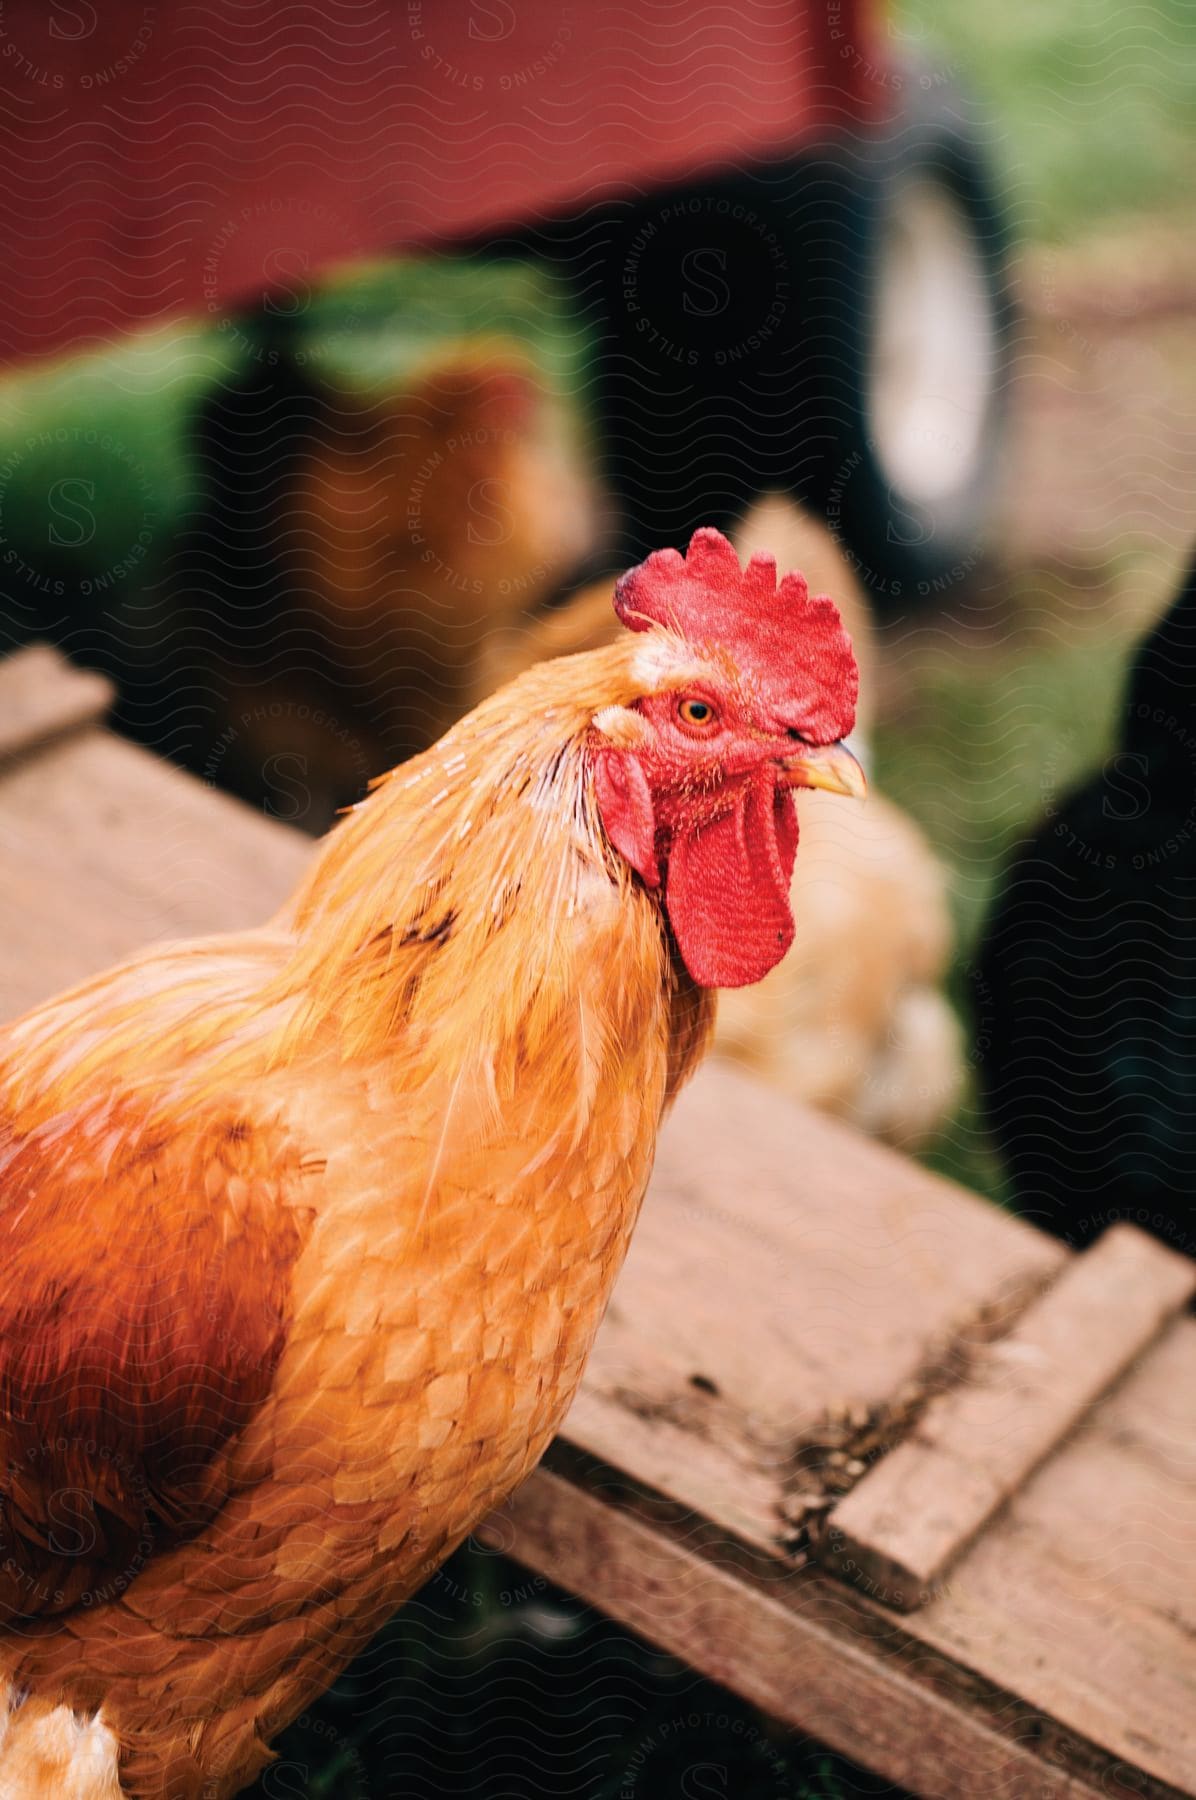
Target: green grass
x,y
95,464
1092,100
373,326
987,740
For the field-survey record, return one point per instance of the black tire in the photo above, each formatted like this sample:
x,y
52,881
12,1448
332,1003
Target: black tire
x,y
733,320
926,368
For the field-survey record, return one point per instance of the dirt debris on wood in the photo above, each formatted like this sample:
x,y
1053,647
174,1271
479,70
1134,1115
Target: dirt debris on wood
x,y
852,1437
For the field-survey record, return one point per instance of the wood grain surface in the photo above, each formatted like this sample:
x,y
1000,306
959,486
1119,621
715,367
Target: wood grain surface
x,y
43,697
910,1518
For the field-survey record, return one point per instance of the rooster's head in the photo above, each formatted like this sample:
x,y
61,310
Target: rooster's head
x,y
747,688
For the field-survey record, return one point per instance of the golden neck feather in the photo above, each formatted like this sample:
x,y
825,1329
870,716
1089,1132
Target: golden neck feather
x,y
448,893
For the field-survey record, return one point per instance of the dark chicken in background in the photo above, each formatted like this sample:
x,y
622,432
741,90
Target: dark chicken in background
x,y
1086,1003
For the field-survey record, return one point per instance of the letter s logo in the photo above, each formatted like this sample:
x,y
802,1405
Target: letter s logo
x,y
1134,792
495,526
715,295
286,1780
704,1781
66,499
82,18
917,531
295,794
288,293
72,1514
499,14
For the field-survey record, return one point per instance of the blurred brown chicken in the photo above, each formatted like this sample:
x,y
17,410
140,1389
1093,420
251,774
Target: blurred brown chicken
x,y
854,1019
418,520
431,517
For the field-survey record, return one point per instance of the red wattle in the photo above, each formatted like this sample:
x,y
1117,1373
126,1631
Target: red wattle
x,y
727,887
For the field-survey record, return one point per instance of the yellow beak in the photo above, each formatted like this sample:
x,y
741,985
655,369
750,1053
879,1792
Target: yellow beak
x,y
828,766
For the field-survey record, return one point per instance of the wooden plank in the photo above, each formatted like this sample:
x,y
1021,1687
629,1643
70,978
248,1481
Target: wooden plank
x,y
1082,1593
798,1651
1079,1597
908,1520
106,849
1067,1595
754,1307
1077,1603
42,696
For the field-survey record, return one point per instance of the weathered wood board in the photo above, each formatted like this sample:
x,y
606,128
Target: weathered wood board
x,y
794,1299
912,1516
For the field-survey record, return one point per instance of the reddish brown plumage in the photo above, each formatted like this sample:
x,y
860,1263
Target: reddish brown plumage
x,y
123,1374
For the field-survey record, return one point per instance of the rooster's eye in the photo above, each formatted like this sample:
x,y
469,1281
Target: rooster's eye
x,y
696,713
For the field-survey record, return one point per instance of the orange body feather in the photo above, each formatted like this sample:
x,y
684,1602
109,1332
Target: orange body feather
x,y
305,1237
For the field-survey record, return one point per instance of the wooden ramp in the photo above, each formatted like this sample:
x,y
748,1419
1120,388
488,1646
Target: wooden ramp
x,y
882,1459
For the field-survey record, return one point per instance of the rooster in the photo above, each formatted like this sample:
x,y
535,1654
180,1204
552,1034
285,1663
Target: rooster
x,y
305,1234
855,1021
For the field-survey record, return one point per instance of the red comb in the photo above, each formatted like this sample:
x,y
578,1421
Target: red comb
x,y
792,648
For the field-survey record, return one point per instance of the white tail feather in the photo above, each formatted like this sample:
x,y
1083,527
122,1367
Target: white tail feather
x,y
52,1753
